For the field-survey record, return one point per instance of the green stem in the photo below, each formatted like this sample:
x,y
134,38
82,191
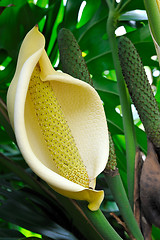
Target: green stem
x,y
97,218
122,5
110,3
116,186
93,225
125,104
154,18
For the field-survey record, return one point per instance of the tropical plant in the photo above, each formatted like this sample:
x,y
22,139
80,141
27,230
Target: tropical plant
x,y
83,39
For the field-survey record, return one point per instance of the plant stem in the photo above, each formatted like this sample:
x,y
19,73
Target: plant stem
x,y
110,3
116,186
153,12
97,218
122,5
125,104
87,221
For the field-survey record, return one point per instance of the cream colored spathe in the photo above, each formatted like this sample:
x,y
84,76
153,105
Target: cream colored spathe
x,y
59,123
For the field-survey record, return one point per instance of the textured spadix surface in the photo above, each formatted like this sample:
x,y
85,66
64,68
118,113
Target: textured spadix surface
x,y
140,89
59,123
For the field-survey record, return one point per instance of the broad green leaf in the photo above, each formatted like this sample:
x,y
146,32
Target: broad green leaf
x,y
88,11
155,232
25,208
23,13
8,234
105,85
135,15
5,123
100,15
140,35
31,238
142,40
98,47
6,75
102,60
4,137
50,22
132,5
71,14
42,3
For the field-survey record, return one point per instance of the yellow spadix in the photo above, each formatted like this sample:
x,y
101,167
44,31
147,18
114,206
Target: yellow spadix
x,y
59,123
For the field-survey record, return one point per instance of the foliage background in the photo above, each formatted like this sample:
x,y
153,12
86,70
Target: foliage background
x,y
24,207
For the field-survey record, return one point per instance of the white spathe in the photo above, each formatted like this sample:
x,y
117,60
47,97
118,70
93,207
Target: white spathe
x,y
83,112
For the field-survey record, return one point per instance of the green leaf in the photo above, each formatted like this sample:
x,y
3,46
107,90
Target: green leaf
x,y
129,5
135,15
50,22
100,59
142,40
71,14
88,12
25,208
18,20
4,121
105,85
8,234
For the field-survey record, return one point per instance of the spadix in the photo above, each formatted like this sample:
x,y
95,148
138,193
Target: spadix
x,y
59,123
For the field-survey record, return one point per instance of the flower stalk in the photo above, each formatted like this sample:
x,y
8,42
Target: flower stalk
x,y
125,104
113,180
153,12
116,186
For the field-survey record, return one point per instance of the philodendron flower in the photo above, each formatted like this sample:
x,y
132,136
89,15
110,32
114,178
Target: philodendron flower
x,y
59,123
